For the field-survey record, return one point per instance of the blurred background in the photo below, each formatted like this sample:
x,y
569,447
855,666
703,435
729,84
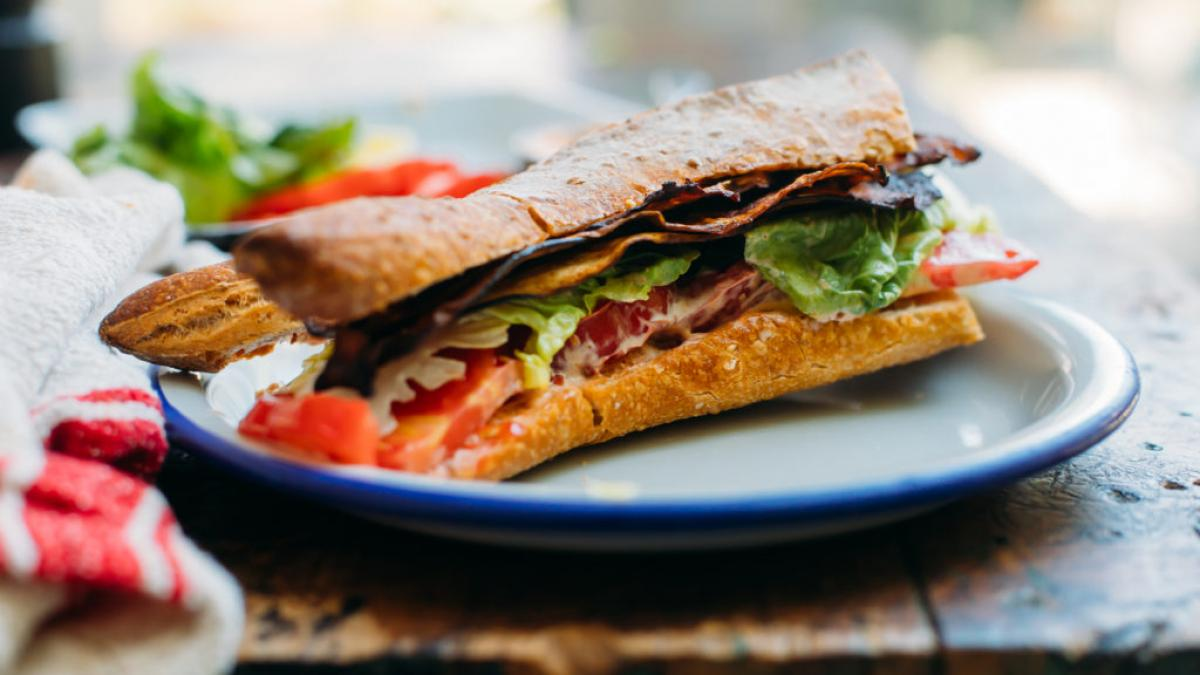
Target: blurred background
x,y
1099,99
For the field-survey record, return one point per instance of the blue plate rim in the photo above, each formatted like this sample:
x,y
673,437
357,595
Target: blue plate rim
x,y
433,501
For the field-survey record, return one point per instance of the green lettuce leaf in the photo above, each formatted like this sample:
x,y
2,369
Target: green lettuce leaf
x,y
842,262
218,160
553,319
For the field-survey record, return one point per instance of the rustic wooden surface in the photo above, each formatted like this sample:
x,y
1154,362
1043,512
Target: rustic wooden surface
x,y
1091,567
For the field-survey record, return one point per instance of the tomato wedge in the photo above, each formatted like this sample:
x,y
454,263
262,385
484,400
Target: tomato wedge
x,y
616,328
428,178
342,429
435,423
966,258
470,183
606,328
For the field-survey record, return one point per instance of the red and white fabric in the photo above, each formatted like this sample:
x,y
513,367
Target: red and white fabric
x,y
95,574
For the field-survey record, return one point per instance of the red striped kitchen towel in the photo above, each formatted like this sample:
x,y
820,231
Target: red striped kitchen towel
x,y
95,574
97,404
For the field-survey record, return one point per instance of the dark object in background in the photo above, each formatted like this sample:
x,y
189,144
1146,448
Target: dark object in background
x,y
27,66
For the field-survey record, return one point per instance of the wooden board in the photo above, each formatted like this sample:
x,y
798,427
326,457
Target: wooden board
x,y
330,588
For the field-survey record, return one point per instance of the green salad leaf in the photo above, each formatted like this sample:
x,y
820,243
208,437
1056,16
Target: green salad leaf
x,y
218,159
842,261
553,319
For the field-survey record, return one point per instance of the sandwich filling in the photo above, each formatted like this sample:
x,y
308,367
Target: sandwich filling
x,y
847,245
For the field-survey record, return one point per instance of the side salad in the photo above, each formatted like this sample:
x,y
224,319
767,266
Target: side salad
x,y
229,165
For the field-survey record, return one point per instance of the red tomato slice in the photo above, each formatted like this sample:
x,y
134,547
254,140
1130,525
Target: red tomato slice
x,y
468,184
424,177
607,327
404,177
436,183
965,259
342,429
437,422
616,328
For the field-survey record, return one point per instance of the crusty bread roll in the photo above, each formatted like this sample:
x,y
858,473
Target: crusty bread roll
x,y
758,356
199,320
348,260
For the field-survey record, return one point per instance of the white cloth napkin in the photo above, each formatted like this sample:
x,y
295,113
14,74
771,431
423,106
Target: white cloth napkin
x,y
95,574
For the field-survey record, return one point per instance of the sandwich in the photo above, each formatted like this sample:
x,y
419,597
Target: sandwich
x,y
729,248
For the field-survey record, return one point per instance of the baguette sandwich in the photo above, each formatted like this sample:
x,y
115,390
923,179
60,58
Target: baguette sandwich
x,y
726,249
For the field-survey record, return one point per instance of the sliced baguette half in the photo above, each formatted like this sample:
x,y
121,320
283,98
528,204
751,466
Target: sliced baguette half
x,y
758,356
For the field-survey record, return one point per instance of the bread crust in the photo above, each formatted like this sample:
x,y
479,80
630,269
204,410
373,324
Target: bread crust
x,y
354,258
841,110
348,260
760,355
199,320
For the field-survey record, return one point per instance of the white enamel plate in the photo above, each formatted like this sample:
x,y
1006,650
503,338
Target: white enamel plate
x,y
1046,385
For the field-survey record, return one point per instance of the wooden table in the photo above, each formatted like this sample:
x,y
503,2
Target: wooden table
x,y
1091,567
